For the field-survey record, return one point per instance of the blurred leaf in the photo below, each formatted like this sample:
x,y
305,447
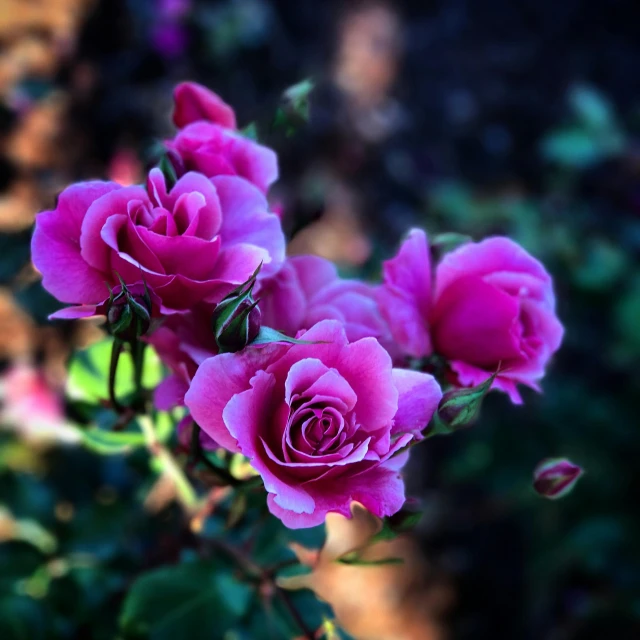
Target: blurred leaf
x,y
571,148
89,372
251,131
445,242
604,263
22,618
111,442
591,108
194,601
14,252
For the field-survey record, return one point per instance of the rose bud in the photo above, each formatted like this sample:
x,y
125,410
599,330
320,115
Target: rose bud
x,y
236,320
459,408
555,477
193,103
129,315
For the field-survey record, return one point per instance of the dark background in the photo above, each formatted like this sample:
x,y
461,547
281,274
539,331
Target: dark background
x,y
518,118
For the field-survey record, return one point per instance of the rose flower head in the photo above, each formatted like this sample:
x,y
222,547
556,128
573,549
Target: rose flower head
x,y
193,242
492,309
324,423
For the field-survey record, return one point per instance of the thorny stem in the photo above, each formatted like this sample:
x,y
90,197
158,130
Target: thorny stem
x,y
186,493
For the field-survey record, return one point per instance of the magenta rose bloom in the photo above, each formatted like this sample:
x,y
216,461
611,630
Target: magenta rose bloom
x,y
307,289
195,242
324,424
214,150
492,308
193,102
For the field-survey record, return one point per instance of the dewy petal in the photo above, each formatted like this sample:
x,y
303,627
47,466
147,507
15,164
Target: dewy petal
x,y
418,399
217,380
92,246
55,247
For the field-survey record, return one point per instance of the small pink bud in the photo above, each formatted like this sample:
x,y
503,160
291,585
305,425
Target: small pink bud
x,y
555,477
194,102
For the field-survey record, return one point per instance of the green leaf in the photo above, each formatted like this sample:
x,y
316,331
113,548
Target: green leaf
x,y
445,242
111,442
190,601
89,372
354,558
268,335
168,171
591,108
250,131
22,618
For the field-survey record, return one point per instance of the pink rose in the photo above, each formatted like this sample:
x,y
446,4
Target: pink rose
x,y
307,289
493,307
324,423
214,150
193,102
195,242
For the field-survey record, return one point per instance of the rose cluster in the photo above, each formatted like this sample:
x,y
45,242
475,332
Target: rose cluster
x,y
327,407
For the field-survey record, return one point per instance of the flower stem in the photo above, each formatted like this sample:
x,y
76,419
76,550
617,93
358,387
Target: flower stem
x,y
137,355
116,350
185,491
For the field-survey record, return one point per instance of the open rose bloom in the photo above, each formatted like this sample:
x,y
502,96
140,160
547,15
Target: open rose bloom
x,y
489,307
324,424
193,242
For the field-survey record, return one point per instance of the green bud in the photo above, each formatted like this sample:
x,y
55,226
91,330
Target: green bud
x,y
236,320
459,408
129,314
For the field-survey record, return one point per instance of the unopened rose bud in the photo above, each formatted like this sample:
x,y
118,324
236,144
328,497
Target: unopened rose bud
x,y
459,408
555,477
129,315
237,319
